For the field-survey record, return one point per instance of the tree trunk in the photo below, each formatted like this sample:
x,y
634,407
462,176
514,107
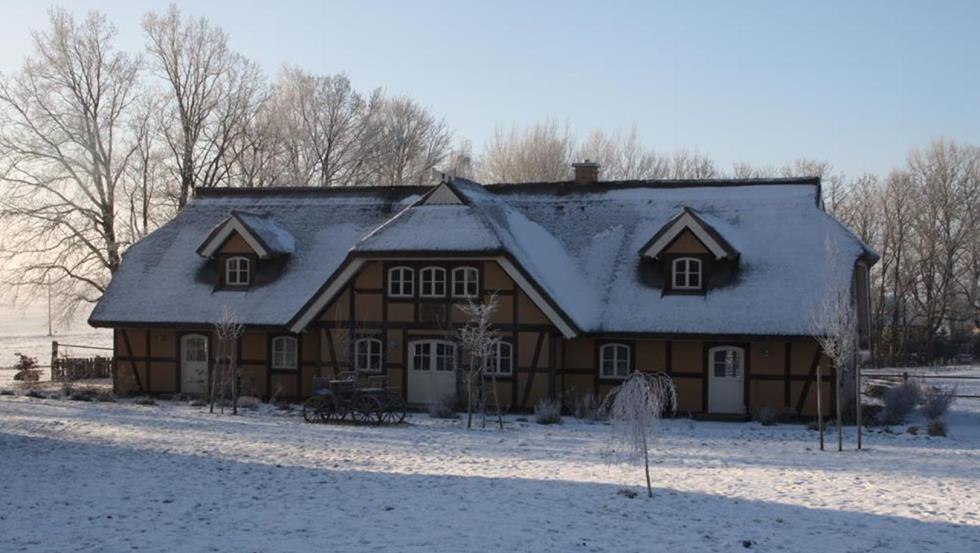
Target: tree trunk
x,y
646,465
819,406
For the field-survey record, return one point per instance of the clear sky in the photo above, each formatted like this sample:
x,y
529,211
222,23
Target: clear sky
x,y
855,83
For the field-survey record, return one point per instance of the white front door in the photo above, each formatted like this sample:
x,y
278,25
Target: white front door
x,y
431,371
194,364
726,374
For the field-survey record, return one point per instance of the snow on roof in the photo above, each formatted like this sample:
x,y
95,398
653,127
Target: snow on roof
x,y
162,280
277,239
578,244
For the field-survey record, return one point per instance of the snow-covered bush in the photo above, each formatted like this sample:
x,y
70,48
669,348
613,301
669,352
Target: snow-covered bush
x,y
36,394
441,408
105,396
936,401
634,409
84,394
145,400
936,427
26,367
6,392
899,402
249,402
766,416
548,411
587,407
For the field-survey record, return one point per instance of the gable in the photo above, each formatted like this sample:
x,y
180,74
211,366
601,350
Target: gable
x,y
689,221
686,243
442,195
235,244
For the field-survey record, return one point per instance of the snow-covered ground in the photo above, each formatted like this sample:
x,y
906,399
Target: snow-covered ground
x,y
121,477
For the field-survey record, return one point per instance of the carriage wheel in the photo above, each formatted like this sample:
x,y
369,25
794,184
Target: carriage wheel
x,y
395,408
366,409
313,409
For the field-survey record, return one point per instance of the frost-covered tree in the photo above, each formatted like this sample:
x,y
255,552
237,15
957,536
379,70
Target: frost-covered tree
x,y
634,409
480,340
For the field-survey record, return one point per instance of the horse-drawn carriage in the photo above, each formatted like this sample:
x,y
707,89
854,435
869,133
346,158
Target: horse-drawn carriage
x,y
366,400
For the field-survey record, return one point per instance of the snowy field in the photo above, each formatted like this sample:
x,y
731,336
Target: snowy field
x,y
124,477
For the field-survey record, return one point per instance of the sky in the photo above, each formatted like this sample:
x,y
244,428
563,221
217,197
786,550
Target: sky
x,y
853,83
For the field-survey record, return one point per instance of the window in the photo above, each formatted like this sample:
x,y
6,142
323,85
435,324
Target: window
x,y
686,273
236,271
614,361
466,282
284,349
433,281
195,348
401,282
367,355
503,362
433,355
726,362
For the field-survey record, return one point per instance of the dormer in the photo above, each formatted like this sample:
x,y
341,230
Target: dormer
x,y
689,251
241,242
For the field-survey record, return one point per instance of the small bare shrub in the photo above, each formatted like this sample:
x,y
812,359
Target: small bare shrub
x,y
35,394
26,367
936,427
145,400
84,394
766,416
936,401
6,392
198,403
249,402
105,396
547,411
899,402
587,407
441,408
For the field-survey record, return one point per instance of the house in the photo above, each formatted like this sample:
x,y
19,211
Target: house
x,y
715,282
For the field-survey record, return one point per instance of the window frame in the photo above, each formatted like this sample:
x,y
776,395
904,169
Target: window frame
x,y
494,369
618,347
238,259
467,271
273,362
372,341
432,269
402,282
674,273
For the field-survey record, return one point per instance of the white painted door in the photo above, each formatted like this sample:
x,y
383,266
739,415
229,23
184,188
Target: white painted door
x,y
431,370
726,377
194,364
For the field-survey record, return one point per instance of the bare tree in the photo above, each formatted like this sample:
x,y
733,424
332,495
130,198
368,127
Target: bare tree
x,y
539,153
228,328
835,328
409,142
622,156
691,164
480,340
634,409
212,92
64,153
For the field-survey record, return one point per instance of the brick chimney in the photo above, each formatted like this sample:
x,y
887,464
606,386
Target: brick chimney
x,y
586,172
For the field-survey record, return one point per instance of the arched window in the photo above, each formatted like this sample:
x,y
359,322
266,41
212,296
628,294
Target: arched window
x,y
433,282
466,281
614,361
503,362
401,282
686,273
237,271
285,353
367,355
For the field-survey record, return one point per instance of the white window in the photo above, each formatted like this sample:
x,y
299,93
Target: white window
x,y
401,282
614,361
465,282
686,273
433,281
503,362
433,355
367,355
284,353
727,362
236,271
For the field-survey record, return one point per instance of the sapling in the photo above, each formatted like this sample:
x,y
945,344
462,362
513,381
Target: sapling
x,y
228,329
634,409
480,341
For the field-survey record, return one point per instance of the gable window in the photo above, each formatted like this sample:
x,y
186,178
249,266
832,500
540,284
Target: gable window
x,y
686,273
433,282
614,361
465,282
401,282
284,353
237,271
502,364
367,355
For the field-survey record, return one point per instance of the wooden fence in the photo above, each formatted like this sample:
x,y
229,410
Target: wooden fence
x,y
77,368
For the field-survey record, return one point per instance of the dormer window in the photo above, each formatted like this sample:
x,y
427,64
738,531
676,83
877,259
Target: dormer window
x,y
686,274
237,271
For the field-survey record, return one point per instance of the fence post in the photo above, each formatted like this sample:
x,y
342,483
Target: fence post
x,y
54,357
